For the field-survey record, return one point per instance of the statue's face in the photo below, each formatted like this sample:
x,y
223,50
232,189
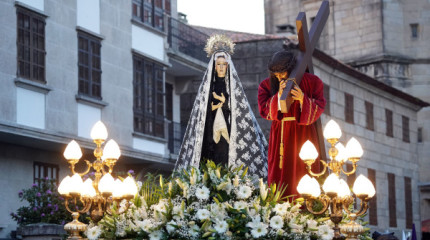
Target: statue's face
x,y
281,75
221,66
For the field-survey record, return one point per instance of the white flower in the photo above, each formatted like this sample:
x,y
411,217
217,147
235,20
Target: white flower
x,y
170,226
221,226
244,192
281,209
276,222
218,211
194,230
295,228
259,230
157,235
255,222
93,233
325,232
202,193
312,224
240,205
203,214
295,208
145,225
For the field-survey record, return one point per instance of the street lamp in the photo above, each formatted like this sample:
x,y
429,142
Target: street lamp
x,y
95,196
336,196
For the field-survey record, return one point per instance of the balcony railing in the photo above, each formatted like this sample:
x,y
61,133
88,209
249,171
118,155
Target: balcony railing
x,y
186,39
176,134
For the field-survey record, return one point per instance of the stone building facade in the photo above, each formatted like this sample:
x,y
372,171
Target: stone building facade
x,y
385,39
67,64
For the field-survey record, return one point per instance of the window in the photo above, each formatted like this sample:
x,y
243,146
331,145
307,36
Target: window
x,y
30,45
89,66
420,135
327,99
408,202
45,170
148,99
405,129
392,200
369,115
151,12
389,121
349,108
373,214
414,30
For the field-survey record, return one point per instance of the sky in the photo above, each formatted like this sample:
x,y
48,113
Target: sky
x,y
235,15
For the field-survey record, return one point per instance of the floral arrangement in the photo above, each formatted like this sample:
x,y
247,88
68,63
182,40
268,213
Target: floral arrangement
x,y
210,203
45,205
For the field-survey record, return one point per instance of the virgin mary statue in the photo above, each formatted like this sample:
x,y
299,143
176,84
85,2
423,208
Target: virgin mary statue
x,y
222,126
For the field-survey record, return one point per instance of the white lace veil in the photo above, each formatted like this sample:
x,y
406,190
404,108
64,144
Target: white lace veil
x,y
248,146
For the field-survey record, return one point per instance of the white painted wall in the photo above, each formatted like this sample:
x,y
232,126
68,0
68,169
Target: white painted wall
x,y
147,42
176,106
88,15
30,108
38,4
87,117
149,146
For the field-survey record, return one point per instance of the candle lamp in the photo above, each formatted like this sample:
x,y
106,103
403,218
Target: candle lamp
x,y
336,196
95,197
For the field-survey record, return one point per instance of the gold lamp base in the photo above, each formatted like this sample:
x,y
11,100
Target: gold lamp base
x,y
352,230
75,227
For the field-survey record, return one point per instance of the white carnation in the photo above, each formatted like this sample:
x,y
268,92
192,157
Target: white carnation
x,y
259,230
240,205
244,192
203,214
325,232
93,233
170,226
221,226
156,235
276,222
145,225
202,193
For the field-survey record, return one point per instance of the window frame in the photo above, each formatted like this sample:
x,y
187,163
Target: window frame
x,y
22,45
389,123
150,13
91,66
349,108
148,112
405,130
370,119
55,168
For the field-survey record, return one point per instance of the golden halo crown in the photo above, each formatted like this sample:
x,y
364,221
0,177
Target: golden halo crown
x,y
219,43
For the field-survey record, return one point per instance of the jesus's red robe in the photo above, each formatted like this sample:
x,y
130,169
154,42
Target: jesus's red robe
x,y
298,127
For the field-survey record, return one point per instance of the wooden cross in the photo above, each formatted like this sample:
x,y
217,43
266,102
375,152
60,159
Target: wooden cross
x,y
307,44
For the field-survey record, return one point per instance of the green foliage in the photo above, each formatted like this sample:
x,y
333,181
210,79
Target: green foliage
x,y
45,205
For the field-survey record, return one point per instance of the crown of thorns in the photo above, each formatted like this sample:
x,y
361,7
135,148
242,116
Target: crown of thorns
x,y
219,43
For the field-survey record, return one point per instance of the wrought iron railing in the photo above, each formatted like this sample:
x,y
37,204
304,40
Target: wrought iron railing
x,y
176,134
186,39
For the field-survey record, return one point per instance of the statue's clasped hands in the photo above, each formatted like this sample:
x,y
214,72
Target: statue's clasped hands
x,y
296,92
220,98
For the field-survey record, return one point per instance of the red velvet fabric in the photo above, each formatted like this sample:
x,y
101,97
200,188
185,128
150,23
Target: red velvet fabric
x,y
296,132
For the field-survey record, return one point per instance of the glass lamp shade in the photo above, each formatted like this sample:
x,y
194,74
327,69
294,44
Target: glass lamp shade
x,y
331,184
308,151
308,185
315,188
111,150
76,184
119,189
63,188
341,152
106,184
73,151
304,185
363,185
344,189
88,189
99,131
332,130
131,186
354,149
